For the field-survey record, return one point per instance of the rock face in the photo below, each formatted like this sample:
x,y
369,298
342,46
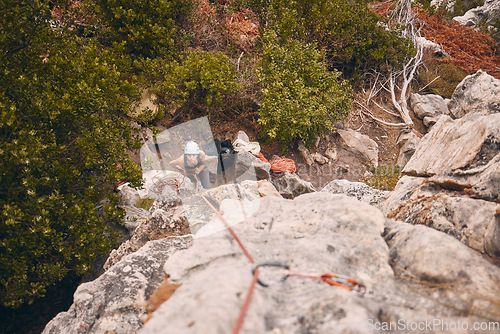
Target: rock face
x,y
360,144
358,190
290,185
323,233
455,182
487,13
477,93
429,108
116,301
407,143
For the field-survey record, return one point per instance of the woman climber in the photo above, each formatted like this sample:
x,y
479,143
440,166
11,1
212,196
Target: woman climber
x,y
193,164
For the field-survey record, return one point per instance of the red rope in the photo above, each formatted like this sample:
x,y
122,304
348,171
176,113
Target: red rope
x,y
246,303
250,258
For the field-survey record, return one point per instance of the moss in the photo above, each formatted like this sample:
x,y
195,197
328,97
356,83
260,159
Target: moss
x,y
383,177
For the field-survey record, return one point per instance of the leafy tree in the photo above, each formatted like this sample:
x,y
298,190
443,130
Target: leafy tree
x,y
63,140
145,28
301,97
351,35
198,80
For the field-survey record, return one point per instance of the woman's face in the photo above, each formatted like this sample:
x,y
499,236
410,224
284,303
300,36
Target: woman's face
x,y
192,159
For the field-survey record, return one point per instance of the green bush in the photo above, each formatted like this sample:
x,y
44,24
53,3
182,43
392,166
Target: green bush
x,y
63,139
384,177
144,28
352,36
198,79
301,98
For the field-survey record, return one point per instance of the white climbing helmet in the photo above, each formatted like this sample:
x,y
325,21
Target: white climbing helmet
x,y
192,148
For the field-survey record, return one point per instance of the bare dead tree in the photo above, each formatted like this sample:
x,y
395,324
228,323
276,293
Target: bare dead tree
x,y
397,83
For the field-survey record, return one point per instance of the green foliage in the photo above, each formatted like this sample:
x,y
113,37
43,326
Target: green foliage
x,y
198,80
63,140
301,98
441,78
351,34
384,177
146,28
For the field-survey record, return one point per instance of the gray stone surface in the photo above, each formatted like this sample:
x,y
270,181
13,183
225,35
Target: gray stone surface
x,y
249,167
360,144
477,93
429,108
455,183
325,233
488,13
358,190
407,143
116,301
290,185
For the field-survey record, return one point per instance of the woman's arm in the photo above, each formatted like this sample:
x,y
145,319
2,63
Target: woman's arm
x,y
203,162
178,163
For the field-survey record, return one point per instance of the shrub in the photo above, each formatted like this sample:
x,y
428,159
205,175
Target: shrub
x,y
145,28
63,140
384,177
351,34
199,80
300,97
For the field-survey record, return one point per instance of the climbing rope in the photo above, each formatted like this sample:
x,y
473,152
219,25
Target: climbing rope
x,y
159,183
342,281
279,164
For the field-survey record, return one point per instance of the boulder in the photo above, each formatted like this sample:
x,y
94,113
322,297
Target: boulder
x,y
128,195
319,158
432,48
360,144
407,143
290,185
358,190
488,13
164,219
306,155
477,93
116,301
429,108
266,188
453,182
473,222
249,167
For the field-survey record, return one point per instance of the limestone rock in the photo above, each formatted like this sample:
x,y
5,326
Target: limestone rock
x,y
128,195
324,233
407,143
166,219
249,167
116,301
358,190
360,144
455,182
488,13
451,146
471,221
431,47
306,155
290,185
477,93
429,105
319,158
266,188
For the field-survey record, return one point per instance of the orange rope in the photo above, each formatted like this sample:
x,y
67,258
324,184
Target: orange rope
x,y
279,164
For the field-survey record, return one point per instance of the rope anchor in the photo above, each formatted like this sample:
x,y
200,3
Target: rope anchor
x,y
341,281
